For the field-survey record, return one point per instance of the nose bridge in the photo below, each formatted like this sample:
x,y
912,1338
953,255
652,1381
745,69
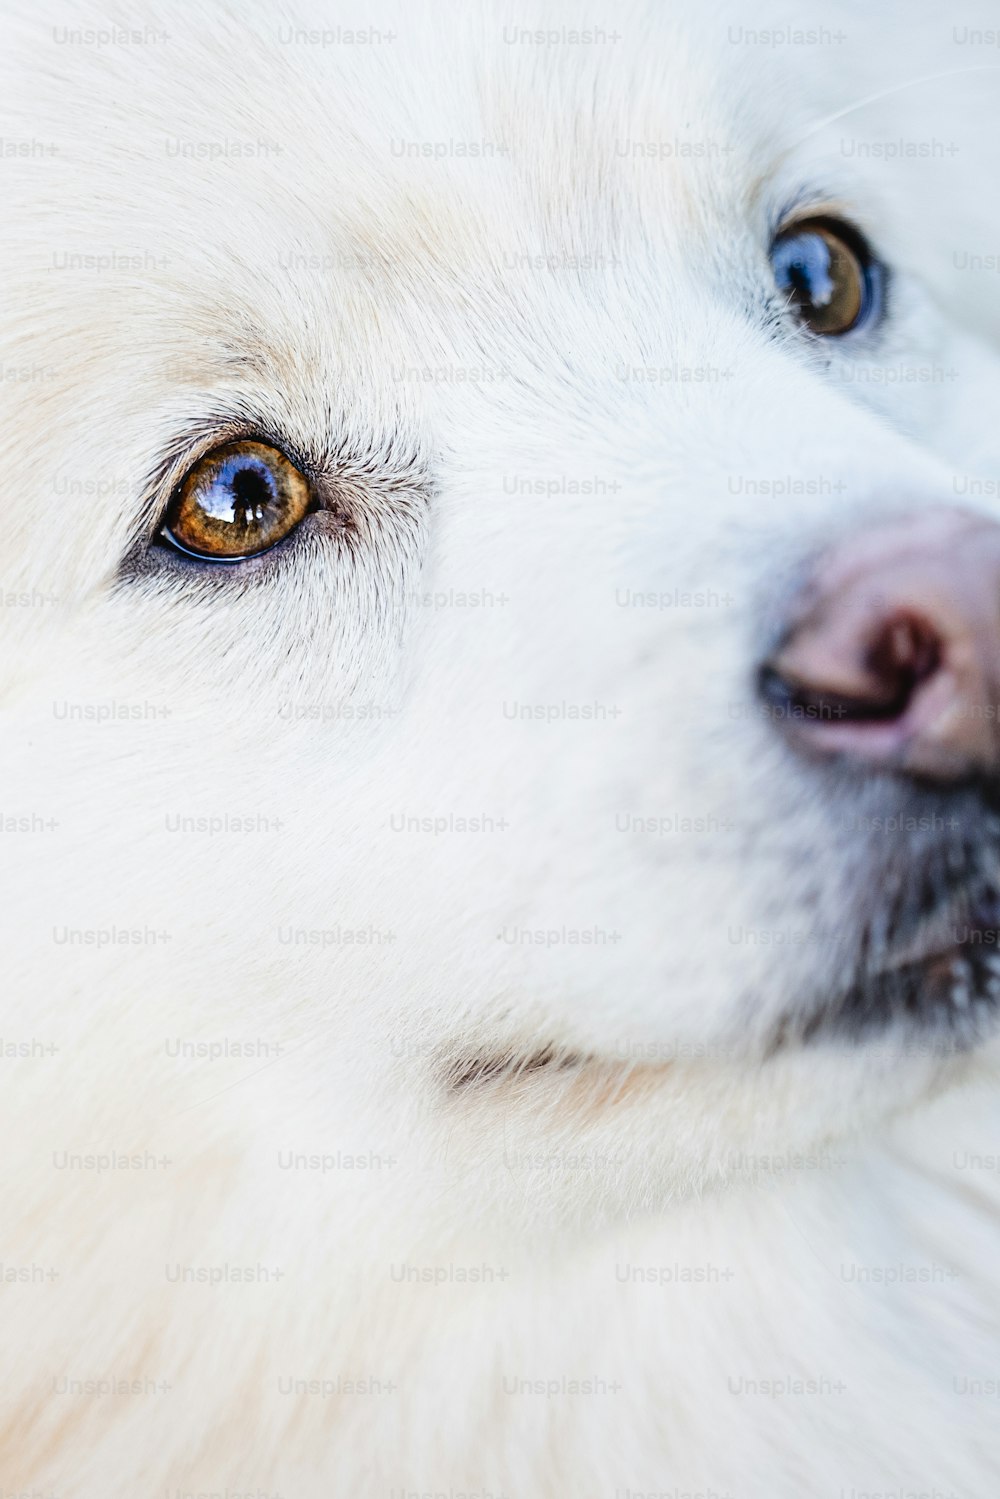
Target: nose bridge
x,y
753,424
791,437
736,479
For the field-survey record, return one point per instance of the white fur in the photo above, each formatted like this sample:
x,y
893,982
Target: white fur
x,y
671,1141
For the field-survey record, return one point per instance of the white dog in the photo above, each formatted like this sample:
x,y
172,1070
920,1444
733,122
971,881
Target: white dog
x,y
500,582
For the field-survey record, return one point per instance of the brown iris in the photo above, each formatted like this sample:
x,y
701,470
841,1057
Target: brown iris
x,y
238,500
822,267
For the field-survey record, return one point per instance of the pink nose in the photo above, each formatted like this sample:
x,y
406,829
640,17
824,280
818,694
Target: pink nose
x,y
892,654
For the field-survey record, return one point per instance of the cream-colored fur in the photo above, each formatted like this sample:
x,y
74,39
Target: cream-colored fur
x,y
432,262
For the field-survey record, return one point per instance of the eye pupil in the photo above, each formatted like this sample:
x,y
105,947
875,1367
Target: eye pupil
x,y
251,490
809,274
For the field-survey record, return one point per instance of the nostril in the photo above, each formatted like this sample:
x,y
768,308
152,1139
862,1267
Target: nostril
x,y
873,681
903,655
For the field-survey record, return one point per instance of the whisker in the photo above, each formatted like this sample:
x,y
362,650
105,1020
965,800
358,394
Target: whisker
x,y
888,93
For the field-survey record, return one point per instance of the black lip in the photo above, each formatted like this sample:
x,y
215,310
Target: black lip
x,y
950,994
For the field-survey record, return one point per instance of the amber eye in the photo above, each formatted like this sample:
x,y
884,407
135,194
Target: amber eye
x,y
828,275
238,500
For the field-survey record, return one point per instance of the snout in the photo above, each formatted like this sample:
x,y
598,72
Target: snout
x,y
891,654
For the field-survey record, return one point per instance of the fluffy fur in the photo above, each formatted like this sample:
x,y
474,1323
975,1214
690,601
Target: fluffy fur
x,y
486,1109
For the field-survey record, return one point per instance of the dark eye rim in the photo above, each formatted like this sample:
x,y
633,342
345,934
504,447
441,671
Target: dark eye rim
x,y
875,273
164,537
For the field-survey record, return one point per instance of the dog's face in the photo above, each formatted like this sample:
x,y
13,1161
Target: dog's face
x,y
555,437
